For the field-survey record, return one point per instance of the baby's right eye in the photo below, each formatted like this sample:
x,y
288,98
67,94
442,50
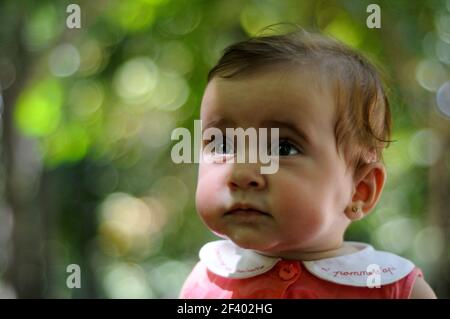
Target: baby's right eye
x,y
224,147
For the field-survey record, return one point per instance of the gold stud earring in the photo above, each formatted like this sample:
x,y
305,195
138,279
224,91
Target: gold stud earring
x,y
356,209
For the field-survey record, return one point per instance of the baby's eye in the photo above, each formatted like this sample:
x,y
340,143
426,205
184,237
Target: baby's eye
x,y
224,147
285,148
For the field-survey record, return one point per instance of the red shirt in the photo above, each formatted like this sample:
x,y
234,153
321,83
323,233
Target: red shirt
x,y
287,280
227,271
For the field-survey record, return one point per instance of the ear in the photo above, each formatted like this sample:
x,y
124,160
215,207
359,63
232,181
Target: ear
x,y
369,181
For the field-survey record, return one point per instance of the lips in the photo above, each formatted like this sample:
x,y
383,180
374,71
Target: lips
x,y
246,210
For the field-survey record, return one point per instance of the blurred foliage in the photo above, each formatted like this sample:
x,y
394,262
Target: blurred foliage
x,y
87,115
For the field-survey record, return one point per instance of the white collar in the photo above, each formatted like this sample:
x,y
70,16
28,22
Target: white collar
x,y
225,259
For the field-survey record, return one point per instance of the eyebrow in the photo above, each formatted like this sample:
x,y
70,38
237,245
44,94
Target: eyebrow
x,y
218,123
292,127
271,123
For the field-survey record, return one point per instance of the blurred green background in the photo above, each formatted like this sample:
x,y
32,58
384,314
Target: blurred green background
x,y
86,116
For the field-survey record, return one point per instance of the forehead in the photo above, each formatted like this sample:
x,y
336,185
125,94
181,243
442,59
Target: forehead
x,y
280,94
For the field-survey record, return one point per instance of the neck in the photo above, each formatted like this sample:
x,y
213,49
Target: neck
x,y
340,250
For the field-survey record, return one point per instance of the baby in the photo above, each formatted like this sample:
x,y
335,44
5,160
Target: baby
x,y
283,232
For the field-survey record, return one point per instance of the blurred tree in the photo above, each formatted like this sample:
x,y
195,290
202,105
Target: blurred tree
x,y
26,267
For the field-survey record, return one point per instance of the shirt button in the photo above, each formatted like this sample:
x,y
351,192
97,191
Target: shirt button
x,y
288,271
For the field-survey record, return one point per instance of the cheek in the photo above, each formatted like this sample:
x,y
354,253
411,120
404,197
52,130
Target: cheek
x,y
312,189
300,210
302,204
207,193
293,193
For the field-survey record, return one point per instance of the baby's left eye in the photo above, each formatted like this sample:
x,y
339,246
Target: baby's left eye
x,y
285,148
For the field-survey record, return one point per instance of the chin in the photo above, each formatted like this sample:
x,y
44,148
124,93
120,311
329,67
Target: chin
x,y
248,243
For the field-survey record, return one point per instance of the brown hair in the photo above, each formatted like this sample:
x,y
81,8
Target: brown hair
x,y
363,118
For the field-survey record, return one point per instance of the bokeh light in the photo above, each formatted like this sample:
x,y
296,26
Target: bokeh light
x,y
135,16
42,27
387,234
69,143
129,225
38,109
92,57
171,93
135,80
86,97
443,26
342,28
443,51
443,99
425,147
167,276
64,60
430,74
127,281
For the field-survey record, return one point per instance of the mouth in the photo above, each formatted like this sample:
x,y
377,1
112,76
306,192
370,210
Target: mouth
x,y
246,211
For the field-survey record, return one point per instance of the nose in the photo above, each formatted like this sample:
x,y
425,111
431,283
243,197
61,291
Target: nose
x,y
246,176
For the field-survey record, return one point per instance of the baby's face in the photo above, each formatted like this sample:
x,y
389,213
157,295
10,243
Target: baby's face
x,y
303,202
